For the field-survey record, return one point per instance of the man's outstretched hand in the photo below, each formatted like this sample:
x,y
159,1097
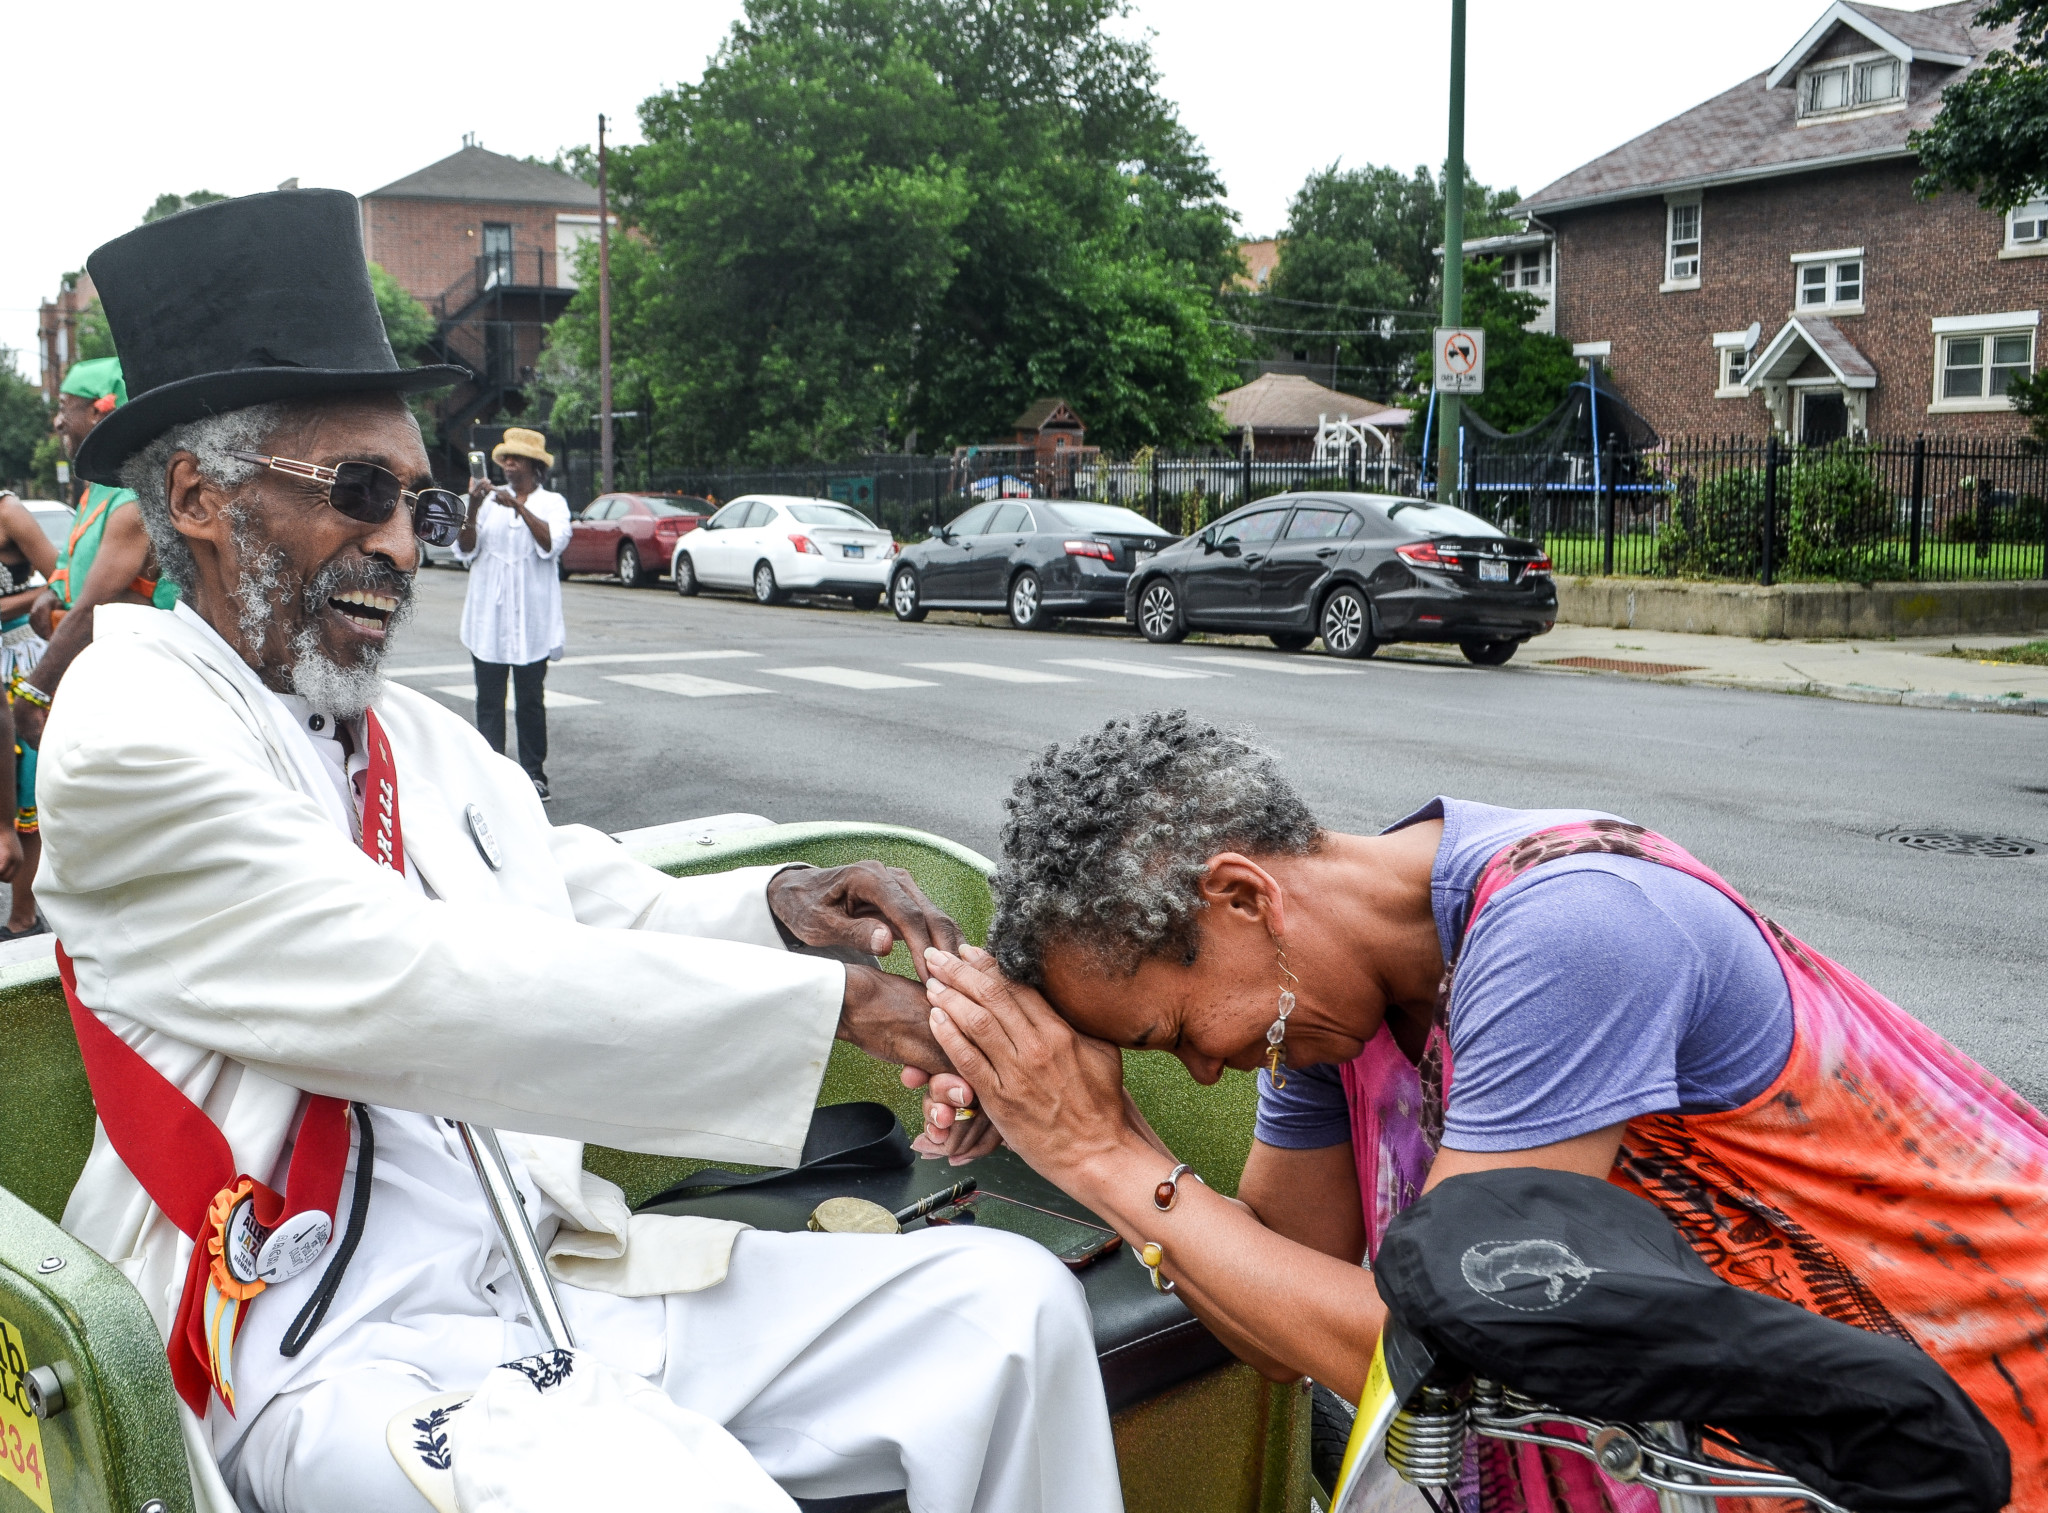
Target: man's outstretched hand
x,y
865,906
890,1018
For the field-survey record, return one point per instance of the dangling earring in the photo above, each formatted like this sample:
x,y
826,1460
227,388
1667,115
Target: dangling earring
x,y
1276,1034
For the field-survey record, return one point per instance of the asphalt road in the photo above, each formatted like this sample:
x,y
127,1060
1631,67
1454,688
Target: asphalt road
x,y
825,713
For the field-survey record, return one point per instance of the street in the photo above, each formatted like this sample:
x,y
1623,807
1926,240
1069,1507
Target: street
x,y
666,708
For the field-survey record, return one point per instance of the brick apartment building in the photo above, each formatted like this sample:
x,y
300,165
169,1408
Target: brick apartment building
x,y
488,244
1760,262
57,329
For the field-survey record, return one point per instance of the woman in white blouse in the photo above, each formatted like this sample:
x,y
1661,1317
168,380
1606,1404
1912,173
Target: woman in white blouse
x,y
512,617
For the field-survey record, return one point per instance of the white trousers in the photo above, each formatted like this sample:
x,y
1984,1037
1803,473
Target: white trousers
x,y
957,1363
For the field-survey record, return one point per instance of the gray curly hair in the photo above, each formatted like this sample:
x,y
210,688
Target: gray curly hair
x,y
213,440
1109,836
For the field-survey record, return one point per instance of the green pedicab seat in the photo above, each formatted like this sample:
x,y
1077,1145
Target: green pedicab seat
x,y
1196,1432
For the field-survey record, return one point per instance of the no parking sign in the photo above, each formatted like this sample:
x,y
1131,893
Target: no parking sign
x,y
1460,360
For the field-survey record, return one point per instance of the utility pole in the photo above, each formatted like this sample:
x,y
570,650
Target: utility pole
x,y
604,317
1447,406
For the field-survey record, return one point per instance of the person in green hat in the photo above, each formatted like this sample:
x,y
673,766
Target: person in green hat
x,y
106,559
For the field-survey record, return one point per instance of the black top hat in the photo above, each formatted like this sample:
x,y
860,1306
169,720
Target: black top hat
x,y
244,302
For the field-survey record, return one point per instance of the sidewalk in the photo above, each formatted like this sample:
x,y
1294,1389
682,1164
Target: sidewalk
x,y
1910,671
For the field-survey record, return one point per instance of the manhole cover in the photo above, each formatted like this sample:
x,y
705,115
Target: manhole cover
x,y
1619,664
1963,842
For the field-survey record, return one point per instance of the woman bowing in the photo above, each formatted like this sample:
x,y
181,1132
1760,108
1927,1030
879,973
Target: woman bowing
x,y
1474,988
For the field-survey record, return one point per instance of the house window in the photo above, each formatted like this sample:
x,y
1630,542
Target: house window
x,y
1983,366
2026,226
1877,81
1526,270
496,267
1830,283
1827,89
1852,84
1734,364
1682,243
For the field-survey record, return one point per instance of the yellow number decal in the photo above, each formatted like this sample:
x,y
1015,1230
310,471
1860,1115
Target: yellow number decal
x,y
21,1433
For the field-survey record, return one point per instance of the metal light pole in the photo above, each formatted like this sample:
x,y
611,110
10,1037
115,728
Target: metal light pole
x,y
1447,406
604,317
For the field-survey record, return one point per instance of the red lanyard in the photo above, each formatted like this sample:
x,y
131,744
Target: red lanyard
x,y
240,1228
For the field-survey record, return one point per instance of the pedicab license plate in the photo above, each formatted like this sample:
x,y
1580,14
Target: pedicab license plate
x,y
1493,572
856,551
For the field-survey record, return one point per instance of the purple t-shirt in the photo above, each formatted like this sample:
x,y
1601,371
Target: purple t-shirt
x,y
1593,989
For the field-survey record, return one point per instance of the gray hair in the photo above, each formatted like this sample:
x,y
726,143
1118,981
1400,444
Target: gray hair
x,y
213,440
1109,837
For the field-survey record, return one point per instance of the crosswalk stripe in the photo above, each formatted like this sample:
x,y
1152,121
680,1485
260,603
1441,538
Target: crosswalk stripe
x,y
848,677
993,673
689,685
553,698
1132,669
590,661
1299,669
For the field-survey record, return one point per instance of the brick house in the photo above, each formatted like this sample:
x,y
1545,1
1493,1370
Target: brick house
x,y
488,244
1760,262
57,330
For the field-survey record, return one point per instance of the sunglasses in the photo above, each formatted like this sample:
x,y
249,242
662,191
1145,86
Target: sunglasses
x,y
366,492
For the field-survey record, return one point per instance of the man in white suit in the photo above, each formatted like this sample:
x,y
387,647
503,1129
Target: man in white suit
x,y
312,912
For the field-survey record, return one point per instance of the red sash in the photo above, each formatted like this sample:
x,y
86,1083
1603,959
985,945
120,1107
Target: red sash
x,y
184,1162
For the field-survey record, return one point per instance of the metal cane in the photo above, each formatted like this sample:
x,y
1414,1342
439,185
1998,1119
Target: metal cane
x,y
494,1176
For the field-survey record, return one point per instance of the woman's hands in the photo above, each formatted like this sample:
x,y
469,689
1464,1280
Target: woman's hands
x,y
1056,1097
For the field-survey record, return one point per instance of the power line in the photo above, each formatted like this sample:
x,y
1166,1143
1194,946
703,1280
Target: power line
x,y
1374,331
1311,304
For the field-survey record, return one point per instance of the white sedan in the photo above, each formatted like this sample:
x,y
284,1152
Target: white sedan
x,y
776,544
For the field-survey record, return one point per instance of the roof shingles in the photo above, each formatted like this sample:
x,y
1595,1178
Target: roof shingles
x,y
475,173
1752,132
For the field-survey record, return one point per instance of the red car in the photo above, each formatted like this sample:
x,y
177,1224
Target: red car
x,y
632,535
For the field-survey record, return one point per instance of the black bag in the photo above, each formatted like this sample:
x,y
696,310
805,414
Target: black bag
x,y
842,1137
1584,1297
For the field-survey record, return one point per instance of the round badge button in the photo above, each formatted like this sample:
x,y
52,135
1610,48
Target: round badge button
x,y
294,1245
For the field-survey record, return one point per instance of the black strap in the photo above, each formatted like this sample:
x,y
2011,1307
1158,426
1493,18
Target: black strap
x,y
308,1322
843,1136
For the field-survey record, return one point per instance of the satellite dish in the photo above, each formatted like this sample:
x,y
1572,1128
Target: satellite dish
x,y
1749,337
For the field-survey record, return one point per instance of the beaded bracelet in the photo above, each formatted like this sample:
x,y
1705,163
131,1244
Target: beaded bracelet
x,y
29,693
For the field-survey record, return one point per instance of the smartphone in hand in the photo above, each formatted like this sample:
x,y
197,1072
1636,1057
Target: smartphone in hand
x,y
478,471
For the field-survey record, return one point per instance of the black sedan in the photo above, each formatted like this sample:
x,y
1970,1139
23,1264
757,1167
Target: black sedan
x,y
1359,570
1037,559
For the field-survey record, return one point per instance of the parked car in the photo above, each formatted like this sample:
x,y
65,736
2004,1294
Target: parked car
x,y
773,544
631,535
1359,570
1037,559
55,519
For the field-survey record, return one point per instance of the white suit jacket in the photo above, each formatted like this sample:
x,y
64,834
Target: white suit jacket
x,y
225,925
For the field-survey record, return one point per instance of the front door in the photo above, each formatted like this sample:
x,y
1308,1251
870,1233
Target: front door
x,y
946,570
1287,581
711,549
988,572
1219,583
1823,418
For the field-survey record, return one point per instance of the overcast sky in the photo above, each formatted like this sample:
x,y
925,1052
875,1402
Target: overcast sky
x,y
111,104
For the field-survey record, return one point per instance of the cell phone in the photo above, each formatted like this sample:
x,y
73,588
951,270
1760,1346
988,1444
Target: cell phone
x,y
1073,1241
477,469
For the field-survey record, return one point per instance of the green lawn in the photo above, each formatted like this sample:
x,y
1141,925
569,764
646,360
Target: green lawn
x,y
1577,554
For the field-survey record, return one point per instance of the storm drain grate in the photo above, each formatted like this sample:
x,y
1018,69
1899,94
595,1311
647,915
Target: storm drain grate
x,y
1618,664
1963,842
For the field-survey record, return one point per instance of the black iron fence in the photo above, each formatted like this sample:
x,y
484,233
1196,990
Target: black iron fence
x,y
1745,510
1767,512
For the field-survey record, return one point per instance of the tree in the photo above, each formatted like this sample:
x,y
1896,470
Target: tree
x,y
24,425
874,220
1359,279
408,324
1527,372
1990,137
171,204
409,327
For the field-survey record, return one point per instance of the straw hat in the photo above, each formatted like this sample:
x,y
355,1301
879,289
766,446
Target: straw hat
x,y
520,442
